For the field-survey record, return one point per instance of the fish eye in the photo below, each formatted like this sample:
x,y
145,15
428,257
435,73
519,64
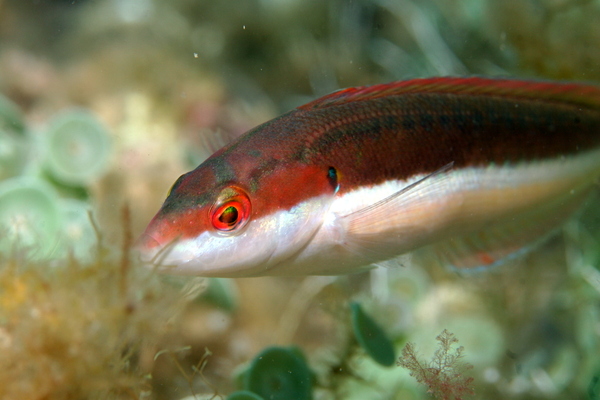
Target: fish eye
x,y
232,212
229,216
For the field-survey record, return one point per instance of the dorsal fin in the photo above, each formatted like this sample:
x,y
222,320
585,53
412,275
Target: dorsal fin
x,y
575,93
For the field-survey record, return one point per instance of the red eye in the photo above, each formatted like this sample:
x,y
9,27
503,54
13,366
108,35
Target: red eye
x,y
232,213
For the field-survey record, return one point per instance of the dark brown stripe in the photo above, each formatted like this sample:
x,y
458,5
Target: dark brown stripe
x,y
380,137
397,137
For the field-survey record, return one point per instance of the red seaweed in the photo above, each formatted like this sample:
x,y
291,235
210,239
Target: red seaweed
x,y
444,375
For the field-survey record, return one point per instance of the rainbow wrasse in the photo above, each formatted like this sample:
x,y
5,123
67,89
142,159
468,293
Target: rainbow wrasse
x,y
477,168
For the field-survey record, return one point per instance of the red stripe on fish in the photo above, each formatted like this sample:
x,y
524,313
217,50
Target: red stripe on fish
x,y
575,93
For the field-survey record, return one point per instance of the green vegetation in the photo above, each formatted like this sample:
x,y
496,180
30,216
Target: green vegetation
x,y
371,337
78,147
30,219
244,395
279,373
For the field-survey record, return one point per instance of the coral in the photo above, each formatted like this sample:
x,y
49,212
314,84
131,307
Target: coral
x,y
444,374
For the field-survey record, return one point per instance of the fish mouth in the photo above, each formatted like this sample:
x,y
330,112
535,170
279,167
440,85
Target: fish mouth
x,y
156,254
147,248
146,242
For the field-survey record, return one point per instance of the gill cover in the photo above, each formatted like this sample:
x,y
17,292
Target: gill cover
x,y
229,230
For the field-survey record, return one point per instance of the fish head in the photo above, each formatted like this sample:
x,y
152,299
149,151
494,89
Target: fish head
x,y
243,222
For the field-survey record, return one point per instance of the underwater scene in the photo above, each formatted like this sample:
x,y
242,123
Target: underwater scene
x,y
104,104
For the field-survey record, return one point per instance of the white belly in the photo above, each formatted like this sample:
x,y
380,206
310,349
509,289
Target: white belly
x,y
506,200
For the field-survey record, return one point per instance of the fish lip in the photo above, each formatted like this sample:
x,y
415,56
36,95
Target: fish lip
x,y
146,242
154,253
147,247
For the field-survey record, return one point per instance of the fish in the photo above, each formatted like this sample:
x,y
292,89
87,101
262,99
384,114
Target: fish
x,y
474,168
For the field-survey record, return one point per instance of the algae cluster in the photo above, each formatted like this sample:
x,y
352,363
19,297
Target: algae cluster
x,y
73,331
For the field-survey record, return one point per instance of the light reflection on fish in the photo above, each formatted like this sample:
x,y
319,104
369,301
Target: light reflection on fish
x,y
480,167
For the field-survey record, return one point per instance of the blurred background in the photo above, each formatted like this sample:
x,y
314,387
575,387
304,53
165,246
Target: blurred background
x,y
104,103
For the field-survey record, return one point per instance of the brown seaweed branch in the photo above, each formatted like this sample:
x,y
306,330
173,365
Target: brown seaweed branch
x,y
444,375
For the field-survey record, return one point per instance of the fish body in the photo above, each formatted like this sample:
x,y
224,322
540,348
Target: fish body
x,y
478,166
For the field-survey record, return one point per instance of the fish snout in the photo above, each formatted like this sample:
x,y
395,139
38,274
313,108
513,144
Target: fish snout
x,y
147,247
146,242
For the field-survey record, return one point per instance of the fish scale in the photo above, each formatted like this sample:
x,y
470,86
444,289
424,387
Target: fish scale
x,y
466,134
369,173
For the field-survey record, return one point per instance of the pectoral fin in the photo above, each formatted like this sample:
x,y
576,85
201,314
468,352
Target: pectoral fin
x,y
387,211
372,229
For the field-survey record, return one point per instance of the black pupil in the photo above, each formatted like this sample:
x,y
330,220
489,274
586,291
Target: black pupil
x,y
229,216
